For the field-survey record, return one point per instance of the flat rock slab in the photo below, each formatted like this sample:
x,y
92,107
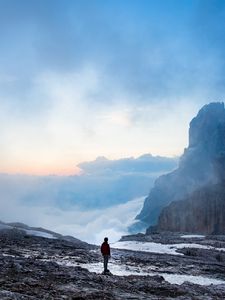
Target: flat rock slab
x,y
40,268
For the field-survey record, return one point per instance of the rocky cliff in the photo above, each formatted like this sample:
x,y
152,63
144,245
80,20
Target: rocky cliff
x,y
201,164
202,212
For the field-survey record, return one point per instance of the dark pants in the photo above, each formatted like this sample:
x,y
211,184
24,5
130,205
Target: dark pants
x,y
106,259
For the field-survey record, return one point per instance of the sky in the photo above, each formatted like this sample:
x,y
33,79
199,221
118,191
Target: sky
x,y
86,78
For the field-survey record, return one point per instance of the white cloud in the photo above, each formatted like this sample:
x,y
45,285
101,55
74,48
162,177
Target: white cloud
x,y
90,225
88,206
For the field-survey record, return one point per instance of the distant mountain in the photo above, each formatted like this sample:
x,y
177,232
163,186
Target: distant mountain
x,y
202,164
17,228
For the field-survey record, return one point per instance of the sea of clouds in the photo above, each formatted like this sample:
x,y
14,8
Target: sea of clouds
x,y
102,201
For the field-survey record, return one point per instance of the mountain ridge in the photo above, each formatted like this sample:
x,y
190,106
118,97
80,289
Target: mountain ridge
x,y
201,164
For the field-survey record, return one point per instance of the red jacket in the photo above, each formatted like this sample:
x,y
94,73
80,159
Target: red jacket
x,y
105,249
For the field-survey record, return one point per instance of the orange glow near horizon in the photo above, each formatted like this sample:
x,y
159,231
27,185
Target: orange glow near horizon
x,y
63,169
41,171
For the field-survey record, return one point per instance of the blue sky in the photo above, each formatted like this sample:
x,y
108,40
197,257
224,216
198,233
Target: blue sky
x,y
80,79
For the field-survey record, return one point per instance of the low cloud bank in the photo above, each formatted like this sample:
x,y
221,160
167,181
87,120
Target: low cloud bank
x,y
103,183
93,225
143,164
96,203
90,225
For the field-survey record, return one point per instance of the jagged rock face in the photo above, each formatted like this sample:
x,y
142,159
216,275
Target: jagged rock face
x,y
202,212
203,162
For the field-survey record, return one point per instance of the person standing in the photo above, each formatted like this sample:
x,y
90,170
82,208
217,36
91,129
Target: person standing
x,y
105,250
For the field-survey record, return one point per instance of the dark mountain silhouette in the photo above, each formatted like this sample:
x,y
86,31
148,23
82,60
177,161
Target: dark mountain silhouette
x,y
202,164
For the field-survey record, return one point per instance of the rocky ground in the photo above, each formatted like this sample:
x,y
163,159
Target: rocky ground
x,y
41,268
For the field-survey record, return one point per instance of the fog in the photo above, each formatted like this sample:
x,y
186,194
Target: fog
x,y
103,200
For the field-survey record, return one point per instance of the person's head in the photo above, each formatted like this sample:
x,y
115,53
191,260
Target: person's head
x,y
106,239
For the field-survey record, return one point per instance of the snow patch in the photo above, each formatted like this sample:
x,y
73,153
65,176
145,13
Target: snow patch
x,y
201,280
40,234
158,247
190,236
126,270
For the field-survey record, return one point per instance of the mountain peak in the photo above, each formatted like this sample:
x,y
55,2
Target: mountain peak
x,y
203,126
203,162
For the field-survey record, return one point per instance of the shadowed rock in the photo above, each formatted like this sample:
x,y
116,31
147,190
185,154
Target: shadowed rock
x,y
202,212
201,164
